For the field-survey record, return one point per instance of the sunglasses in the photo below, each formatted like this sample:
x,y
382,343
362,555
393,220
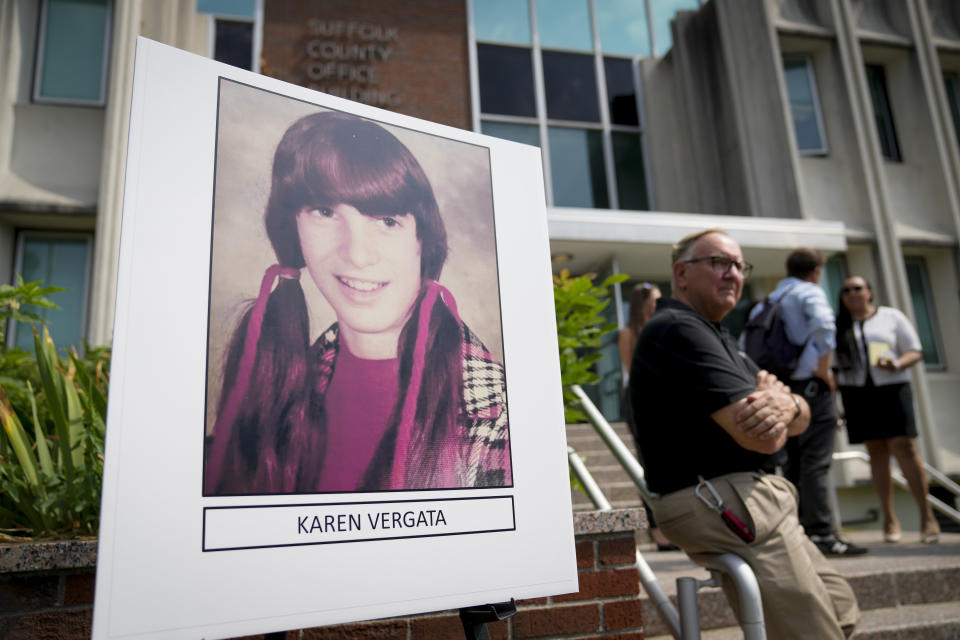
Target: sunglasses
x,y
855,288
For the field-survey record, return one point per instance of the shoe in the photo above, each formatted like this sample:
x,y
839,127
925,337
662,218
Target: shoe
x,y
667,547
892,536
832,545
930,538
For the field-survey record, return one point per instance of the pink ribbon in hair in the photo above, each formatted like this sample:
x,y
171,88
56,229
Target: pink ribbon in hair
x,y
405,429
224,426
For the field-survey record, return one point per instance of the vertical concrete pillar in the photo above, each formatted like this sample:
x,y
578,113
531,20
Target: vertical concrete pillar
x,y
9,77
126,26
890,252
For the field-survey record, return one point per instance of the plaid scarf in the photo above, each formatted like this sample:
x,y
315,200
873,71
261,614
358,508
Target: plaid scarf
x,y
482,422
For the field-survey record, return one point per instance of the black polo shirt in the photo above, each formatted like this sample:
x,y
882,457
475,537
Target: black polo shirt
x,y
684,369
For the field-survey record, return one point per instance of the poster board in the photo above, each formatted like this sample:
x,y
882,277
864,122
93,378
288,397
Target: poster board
x,y
186,552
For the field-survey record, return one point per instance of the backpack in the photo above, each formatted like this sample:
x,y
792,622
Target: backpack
x,y
765,340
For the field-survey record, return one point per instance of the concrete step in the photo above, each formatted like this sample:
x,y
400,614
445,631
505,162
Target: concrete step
x,y
934,621
889,582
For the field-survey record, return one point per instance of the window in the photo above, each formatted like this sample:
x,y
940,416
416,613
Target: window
x,y
546,78
73,52
951,83
506,80
234,31
877,81
804,106
834,273
233,43
61,260
923,311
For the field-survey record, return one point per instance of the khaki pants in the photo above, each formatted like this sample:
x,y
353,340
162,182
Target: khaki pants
x,y
803,596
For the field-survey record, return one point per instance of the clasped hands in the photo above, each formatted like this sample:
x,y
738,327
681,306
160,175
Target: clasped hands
x,y
768,411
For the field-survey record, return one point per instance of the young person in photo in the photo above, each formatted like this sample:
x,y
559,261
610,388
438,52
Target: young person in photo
x,y
398,393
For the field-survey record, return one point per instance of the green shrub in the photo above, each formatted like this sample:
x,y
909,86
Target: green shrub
x,y
580,331
52,412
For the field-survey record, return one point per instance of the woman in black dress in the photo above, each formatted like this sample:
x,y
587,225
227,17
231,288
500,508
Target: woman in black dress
x,y
875,346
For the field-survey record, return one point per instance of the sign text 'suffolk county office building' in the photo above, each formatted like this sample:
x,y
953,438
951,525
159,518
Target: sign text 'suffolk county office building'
x,y
824,123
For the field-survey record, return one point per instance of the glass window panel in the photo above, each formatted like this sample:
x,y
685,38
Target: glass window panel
x,y
525,133
834,273
621,91
505,21
60,262
238,8
74,43
576,162
570,85
876,79
623,27
662,12
803,105
631,179
564,24
952,83
923,310
506,80
234,43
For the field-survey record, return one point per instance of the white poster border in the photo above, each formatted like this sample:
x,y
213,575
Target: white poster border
x,y
153,577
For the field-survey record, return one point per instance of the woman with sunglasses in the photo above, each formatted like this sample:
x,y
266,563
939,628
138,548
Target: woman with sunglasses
x,y
875,347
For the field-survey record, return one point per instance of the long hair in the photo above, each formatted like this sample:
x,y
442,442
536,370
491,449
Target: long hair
x,y
848,354
638,300
279,432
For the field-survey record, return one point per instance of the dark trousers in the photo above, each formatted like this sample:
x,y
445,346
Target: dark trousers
x,y
809,455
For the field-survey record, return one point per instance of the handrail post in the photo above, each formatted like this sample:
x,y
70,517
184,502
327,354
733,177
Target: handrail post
x,y
689,610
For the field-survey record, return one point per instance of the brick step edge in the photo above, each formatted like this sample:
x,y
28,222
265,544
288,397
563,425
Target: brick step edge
x,y
874,590
934,621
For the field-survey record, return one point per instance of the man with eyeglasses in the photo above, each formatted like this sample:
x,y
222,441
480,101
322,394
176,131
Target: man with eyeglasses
x,y
809,323
713,421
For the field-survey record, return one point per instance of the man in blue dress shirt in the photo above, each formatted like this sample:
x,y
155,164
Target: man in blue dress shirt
x,y
809,321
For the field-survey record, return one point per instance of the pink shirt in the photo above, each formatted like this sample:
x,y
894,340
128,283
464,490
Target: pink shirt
x,y
356,410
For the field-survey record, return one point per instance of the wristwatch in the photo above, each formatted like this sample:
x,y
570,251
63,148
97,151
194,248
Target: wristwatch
x,y
796,403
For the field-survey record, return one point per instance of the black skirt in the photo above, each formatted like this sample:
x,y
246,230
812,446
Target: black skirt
x,y
876,413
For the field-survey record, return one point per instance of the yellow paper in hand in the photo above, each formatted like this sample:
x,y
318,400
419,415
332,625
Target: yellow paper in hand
x,y
878,350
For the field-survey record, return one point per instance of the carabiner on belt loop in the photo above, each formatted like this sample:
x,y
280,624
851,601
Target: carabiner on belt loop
x,y
718,507
733,523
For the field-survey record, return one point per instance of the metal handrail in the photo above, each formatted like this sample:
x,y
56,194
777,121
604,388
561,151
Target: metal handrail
x,y
935,502
647,577
590,486
613,441
732,565
745,581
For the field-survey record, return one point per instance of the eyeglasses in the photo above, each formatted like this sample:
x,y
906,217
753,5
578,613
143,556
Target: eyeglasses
x,y
857,287
721,265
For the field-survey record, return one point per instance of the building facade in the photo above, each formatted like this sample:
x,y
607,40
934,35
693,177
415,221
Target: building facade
x,y
823,123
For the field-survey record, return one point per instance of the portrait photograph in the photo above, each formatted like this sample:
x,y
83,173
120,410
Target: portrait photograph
x,y
354,341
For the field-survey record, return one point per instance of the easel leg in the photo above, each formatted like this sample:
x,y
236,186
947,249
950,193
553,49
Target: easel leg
x,y
475,619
